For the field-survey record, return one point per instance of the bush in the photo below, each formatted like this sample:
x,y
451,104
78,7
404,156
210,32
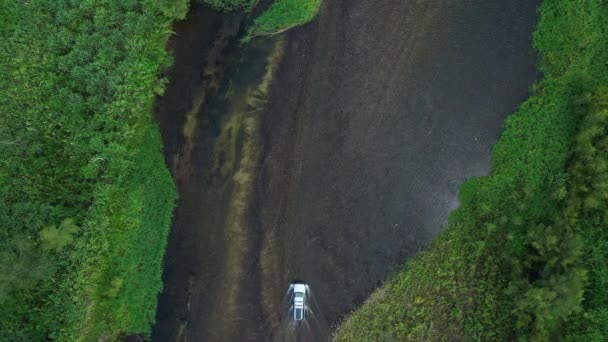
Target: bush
x,y
85,196
284,15
230,5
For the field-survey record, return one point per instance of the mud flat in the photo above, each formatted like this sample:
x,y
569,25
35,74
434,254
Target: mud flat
x,y
379,112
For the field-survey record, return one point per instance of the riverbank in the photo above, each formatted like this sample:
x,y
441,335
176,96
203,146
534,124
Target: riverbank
x,y
523,256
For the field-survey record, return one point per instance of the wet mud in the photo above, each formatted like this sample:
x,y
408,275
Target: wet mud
x,y
330,154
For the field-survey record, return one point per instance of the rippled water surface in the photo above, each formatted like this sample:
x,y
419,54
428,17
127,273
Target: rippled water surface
x,y
378,111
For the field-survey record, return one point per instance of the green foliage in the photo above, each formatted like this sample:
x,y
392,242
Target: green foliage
x,y
56,239
589,169
526,255
78,147
22,266
285,14
230,5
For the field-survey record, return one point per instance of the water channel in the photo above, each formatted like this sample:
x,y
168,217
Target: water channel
x,y
331,153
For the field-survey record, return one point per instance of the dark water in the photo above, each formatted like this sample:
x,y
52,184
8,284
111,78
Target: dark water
x,y
208,127
381,109
377,114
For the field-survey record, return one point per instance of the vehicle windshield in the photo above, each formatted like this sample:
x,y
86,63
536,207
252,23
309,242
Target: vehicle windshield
x,y
299,294
299,314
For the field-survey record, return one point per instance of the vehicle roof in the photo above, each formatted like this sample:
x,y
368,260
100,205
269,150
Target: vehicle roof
x,y
299,288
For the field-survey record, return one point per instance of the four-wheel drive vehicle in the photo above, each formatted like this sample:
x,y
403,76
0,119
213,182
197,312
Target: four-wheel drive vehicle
x,y
299,301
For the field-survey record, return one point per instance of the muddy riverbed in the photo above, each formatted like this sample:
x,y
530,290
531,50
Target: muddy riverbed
x,y
334,168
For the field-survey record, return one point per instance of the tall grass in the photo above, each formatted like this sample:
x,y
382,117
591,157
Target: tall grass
x,y
78,86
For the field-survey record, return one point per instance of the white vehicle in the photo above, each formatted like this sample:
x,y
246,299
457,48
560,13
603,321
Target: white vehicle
x,y
299,301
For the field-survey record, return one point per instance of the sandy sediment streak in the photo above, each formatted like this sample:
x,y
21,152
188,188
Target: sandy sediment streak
x,y
241,151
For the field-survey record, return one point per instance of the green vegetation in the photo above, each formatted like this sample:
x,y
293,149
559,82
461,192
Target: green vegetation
x,y
281,16
525,257
85,196
589,171
230,5
284,15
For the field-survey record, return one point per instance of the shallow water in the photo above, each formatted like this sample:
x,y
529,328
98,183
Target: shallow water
x,y
377,114
209,119
380,111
